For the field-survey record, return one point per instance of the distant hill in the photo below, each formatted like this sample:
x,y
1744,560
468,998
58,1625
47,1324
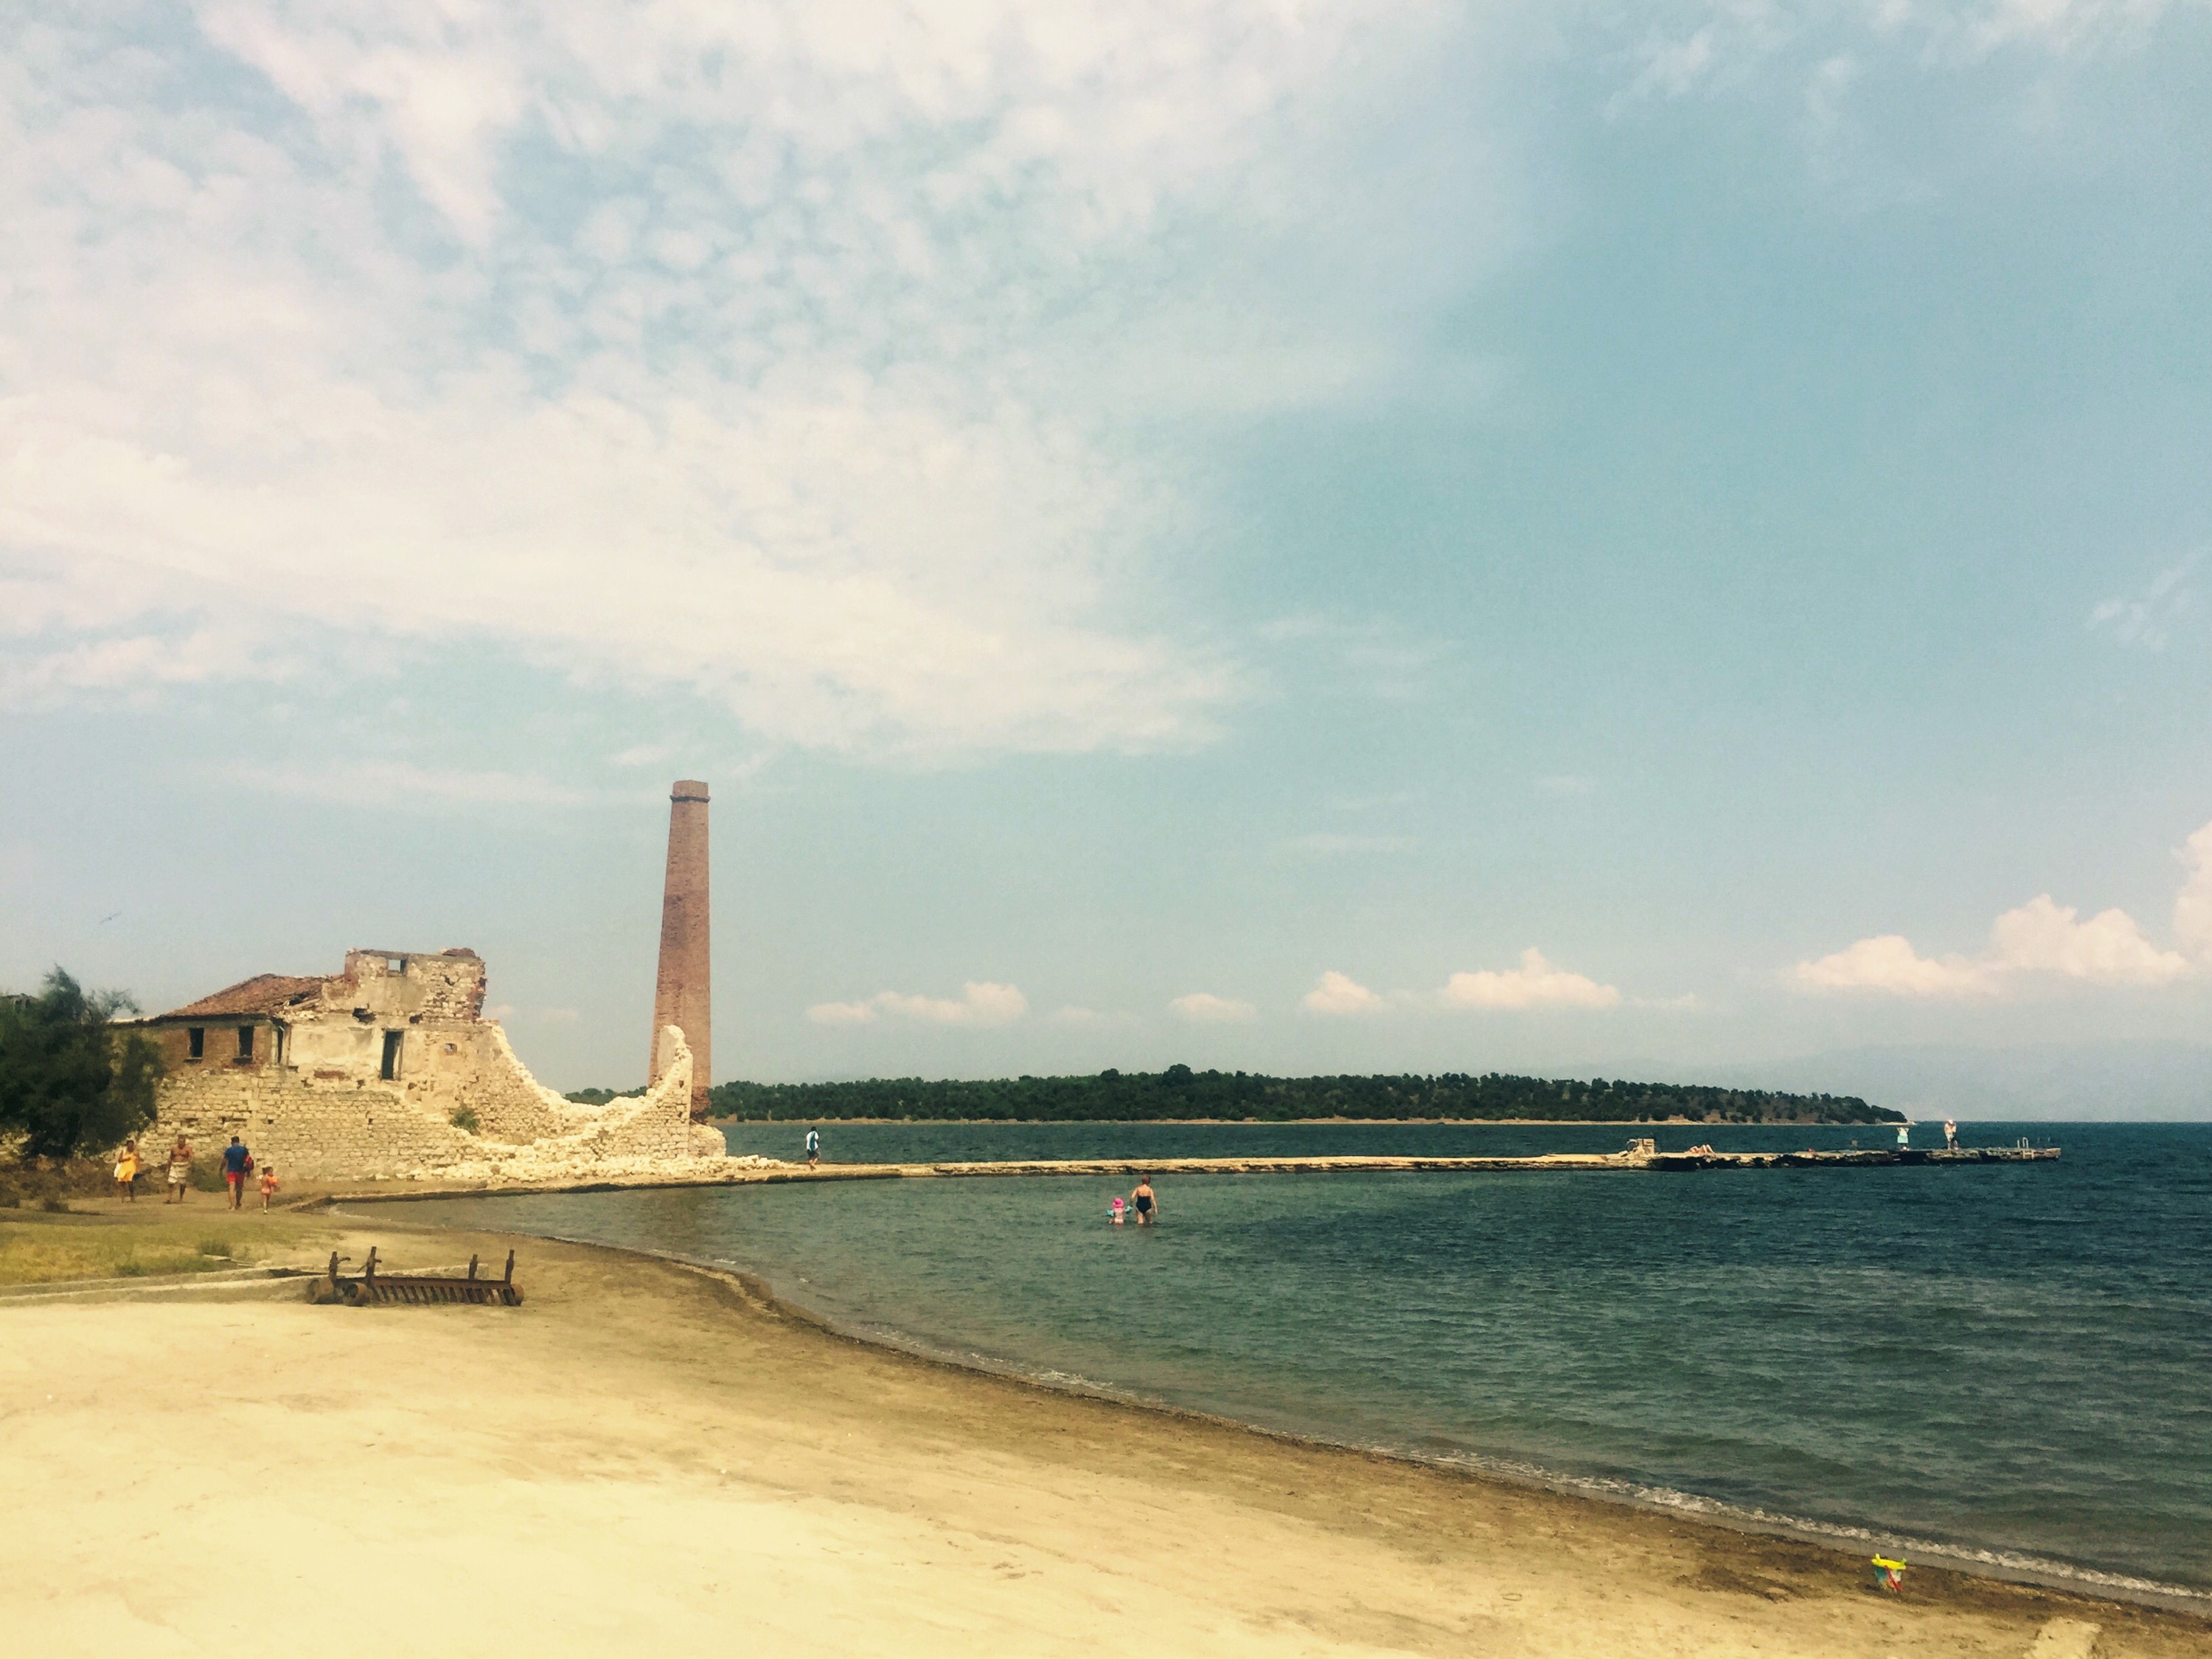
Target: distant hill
x,y
1179,1093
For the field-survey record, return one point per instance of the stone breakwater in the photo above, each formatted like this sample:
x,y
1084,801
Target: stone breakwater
x,y
520,1176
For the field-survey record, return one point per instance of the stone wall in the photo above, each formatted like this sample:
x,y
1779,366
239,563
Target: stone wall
x,y
318,1131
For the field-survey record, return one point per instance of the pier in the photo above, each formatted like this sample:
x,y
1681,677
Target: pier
x,y
1641,1157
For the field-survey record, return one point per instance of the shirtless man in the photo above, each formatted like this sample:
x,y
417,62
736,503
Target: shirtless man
x,y
1148,1206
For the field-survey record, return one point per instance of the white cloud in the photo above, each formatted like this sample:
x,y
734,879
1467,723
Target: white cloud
x,y
980,1003
2058,26
1203,1008
712,349
2147,619
401,784
51,675
1889,963
2039,939
1534,984
1338,994
842,1013
1733,37
2192,906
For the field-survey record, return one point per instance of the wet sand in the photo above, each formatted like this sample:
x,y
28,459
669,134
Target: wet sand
x,y
647,1458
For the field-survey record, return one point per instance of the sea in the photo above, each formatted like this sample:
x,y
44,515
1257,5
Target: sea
x,y
2002,1367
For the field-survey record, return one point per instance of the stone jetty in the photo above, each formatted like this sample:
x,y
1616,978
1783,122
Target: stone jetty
x,y
1640,1156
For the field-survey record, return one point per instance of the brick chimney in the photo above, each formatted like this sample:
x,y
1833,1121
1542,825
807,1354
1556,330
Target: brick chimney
x,y
682,995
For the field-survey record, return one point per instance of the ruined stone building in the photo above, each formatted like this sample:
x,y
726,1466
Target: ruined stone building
x,y
389,1068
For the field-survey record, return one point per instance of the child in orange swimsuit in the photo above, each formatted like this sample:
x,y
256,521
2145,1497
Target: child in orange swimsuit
x,y
268,1183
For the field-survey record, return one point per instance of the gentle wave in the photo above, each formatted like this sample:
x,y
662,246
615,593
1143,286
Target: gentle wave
x,y
1998,1369
1992,1563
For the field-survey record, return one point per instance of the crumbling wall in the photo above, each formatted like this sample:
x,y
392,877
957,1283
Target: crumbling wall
x,y
655,1127
448,984
326,1128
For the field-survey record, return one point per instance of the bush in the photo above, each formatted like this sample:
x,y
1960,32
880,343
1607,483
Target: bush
x,y
465,1121
69,1082
28,1183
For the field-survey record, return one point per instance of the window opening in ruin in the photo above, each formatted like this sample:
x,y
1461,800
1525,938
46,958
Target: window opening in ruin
x,y
246,1043
196,1040
391,1056
395,964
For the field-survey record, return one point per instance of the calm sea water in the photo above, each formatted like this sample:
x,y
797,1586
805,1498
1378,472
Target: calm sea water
x,y
2011,1363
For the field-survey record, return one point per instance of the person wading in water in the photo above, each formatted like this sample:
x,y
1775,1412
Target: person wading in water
x,y
1148,1206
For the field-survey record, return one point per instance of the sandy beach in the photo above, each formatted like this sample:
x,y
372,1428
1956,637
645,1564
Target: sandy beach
x,y
647,1457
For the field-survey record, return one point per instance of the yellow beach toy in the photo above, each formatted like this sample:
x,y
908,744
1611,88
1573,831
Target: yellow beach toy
x,y
1889,1574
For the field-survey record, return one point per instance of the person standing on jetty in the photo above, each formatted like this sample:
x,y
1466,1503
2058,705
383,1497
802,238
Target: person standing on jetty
x,y
180,1170
813,1147
237,1163
1148,1205
1950,1136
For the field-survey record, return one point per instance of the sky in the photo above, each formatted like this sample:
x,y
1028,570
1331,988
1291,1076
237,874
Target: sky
x,y
1629,541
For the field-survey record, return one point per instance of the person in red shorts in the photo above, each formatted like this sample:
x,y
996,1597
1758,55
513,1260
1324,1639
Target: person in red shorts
x,y
237,1164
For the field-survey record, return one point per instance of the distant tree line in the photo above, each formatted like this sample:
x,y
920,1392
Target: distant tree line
x,y
1179,1092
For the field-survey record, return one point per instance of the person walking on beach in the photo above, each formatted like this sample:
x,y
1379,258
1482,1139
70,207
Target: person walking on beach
x,y
813,1147
180,1170
237,1163
126,1171
1148,1205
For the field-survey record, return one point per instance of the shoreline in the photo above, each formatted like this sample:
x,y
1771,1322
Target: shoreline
x,y
2001,1566
653,1452
1293,1123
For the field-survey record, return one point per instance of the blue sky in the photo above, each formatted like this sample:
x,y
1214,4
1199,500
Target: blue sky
x,y
1175,533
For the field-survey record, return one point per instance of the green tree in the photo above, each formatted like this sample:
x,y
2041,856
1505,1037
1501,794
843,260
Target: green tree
x,y
69,1082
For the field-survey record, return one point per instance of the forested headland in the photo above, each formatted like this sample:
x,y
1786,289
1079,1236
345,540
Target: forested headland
x,y
1181,1093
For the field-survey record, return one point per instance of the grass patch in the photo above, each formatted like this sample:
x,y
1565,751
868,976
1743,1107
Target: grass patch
x,y
34,1255
466,1121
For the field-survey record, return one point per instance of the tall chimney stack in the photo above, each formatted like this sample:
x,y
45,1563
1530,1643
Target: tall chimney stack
x,y
681,995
